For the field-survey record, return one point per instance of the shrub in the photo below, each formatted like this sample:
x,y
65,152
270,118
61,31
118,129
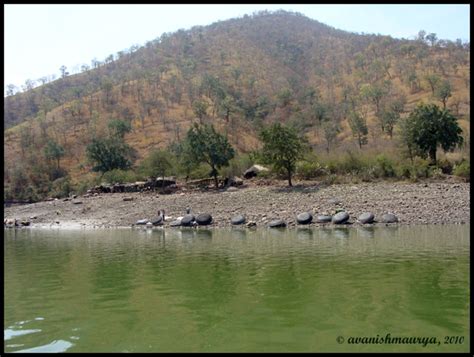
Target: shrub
x,y
463,170
61,187
446,166
308,170
384,166
120,176
420,168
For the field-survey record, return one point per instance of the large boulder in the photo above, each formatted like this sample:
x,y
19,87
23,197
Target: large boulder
x,y
236,220
366,217
254,171
389,218
277,223
340,218
204,219
323,219
141,222
304,218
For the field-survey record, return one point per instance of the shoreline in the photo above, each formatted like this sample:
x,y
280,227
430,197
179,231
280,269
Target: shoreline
x,y
413,203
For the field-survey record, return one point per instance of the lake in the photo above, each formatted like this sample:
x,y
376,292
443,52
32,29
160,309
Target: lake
x,y
400,288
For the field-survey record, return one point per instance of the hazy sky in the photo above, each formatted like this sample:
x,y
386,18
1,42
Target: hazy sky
x,y
41,38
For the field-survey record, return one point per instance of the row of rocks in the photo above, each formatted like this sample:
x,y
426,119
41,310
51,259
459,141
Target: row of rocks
x,y
204,219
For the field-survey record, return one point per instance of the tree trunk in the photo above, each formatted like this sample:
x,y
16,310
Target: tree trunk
x,y
216,181
433,155
289,178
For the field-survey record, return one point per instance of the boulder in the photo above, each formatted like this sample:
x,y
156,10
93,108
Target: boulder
x,y
236,220
366,217
389,218
277,223
340,218
204,219
251,224
187,220
254,171
323,219
304,218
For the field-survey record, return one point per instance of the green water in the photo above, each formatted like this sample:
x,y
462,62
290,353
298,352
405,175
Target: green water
x,y
236,290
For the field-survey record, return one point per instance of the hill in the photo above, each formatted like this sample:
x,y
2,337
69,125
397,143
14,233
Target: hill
x,y
239,75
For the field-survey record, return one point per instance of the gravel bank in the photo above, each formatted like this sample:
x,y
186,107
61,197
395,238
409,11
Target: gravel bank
x,y
412,203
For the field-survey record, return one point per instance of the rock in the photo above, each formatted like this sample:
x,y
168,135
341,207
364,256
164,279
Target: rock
x,y
389,218
335,201
74,196
323,219
254,171
187,220
232,189
236,181
340,218
149,224
25,223
236,220
304,218
77,202
277,223
204,219
251,224
128,198
141,222
175,223
366,217
66,199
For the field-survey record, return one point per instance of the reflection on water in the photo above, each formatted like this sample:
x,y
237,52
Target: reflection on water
x,y
235,289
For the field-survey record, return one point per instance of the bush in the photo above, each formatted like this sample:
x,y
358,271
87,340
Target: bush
x,y
420,169
61,187
384,166
446,166
308,170
120,176
463,170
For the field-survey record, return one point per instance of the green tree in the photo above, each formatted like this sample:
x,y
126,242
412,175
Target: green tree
x,y
200,109
157,164
443,92
331,129
118,128
54,151
359,128
430,126
205,144
433,81
282,147
109,154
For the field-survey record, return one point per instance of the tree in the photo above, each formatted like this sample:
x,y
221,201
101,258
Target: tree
x,y
429,126
358,127
282,147
54,151
331,129
109,154
157,164
112,152
443,92
118,128
204,144
63,70
200,109
432,38
433,81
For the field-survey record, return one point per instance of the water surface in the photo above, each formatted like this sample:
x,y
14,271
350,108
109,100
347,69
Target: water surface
x,y
235,289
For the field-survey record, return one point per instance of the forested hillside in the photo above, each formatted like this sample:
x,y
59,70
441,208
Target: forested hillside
x,y
239,75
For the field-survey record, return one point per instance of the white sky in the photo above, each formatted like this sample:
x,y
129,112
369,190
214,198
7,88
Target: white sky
x,y
41,38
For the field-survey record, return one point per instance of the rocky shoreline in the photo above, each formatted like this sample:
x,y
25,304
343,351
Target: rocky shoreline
x,y
412,203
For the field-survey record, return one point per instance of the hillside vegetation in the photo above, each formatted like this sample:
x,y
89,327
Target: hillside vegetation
x,y
239,75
